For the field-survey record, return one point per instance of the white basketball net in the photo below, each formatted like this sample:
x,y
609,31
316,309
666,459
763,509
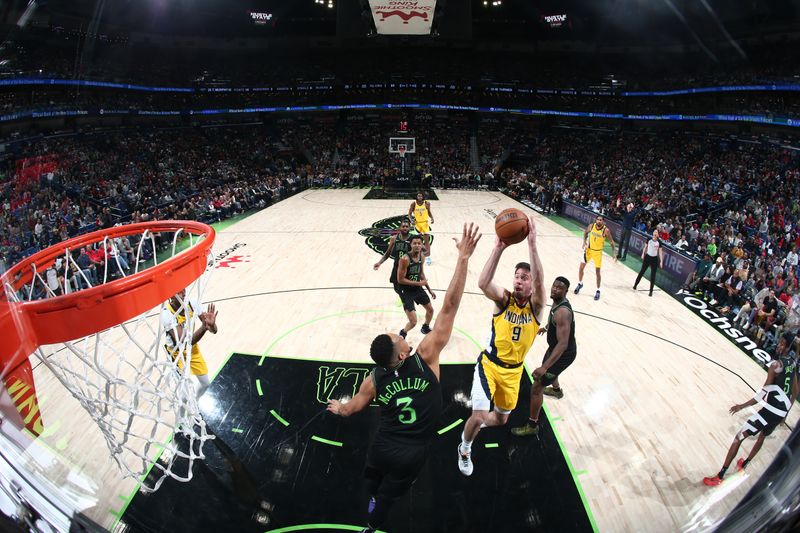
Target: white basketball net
x,y
401,149
124,378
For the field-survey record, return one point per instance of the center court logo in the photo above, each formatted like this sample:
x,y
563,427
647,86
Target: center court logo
x,y
377,236
723,324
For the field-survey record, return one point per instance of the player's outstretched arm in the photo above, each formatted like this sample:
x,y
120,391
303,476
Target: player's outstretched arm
x,y
386,254
208,322
365,394
433,343
586,235
486,283
538,297
772,370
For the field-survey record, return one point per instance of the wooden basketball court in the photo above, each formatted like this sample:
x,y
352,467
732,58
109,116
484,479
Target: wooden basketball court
x,y
645,411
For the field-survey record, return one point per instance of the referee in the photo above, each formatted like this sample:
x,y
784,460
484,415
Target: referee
x,y
652,258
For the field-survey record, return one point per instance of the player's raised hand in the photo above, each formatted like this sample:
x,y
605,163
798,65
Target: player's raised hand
x,y
209,318
531,232
469,239
499,244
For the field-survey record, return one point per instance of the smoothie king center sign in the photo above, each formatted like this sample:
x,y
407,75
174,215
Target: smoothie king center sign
x,y
403,17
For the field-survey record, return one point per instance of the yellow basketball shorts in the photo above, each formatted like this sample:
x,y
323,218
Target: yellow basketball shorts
x,y
595,256
197,365
493,383
423,227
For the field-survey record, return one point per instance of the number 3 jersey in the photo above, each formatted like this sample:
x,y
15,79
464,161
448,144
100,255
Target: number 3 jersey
x,y
410,398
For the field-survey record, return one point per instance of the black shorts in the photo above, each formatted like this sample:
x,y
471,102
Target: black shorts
x,y
765,421
410,294
553,372
392,467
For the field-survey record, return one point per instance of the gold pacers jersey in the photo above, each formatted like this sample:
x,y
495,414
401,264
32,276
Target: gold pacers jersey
x,y
197,363
513,331
421,214
181,317
597,238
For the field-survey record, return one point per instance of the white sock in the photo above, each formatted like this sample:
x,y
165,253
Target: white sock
x,y
204,384
466,446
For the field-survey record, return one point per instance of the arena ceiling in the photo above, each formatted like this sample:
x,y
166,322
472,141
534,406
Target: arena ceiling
x,y
601,22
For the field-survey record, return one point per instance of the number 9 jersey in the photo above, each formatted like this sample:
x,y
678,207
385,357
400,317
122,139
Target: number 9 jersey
x,y
513,330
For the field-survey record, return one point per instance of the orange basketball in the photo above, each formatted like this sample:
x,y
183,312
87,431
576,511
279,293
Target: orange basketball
x,y
511,225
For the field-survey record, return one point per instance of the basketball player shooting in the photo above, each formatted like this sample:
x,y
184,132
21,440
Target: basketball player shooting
x,y
407,389
515,321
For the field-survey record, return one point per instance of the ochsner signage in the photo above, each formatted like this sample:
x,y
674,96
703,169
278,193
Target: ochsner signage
x,y
403,17
724,325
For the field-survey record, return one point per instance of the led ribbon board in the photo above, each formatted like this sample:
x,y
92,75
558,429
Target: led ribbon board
x,y
403,17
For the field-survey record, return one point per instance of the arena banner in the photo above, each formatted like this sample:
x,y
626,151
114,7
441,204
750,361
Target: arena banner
x,y
676,264
403,17
725,326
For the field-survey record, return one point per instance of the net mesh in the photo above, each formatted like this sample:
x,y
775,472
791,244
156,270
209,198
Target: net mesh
x,y
134,390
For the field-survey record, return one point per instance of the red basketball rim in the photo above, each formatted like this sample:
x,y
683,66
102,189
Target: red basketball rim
x,y
76,315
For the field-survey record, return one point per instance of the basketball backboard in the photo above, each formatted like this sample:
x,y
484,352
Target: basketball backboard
x,y
395,144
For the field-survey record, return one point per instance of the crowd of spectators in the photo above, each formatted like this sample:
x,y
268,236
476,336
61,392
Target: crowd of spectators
x,y
200,174
355,151
733,204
